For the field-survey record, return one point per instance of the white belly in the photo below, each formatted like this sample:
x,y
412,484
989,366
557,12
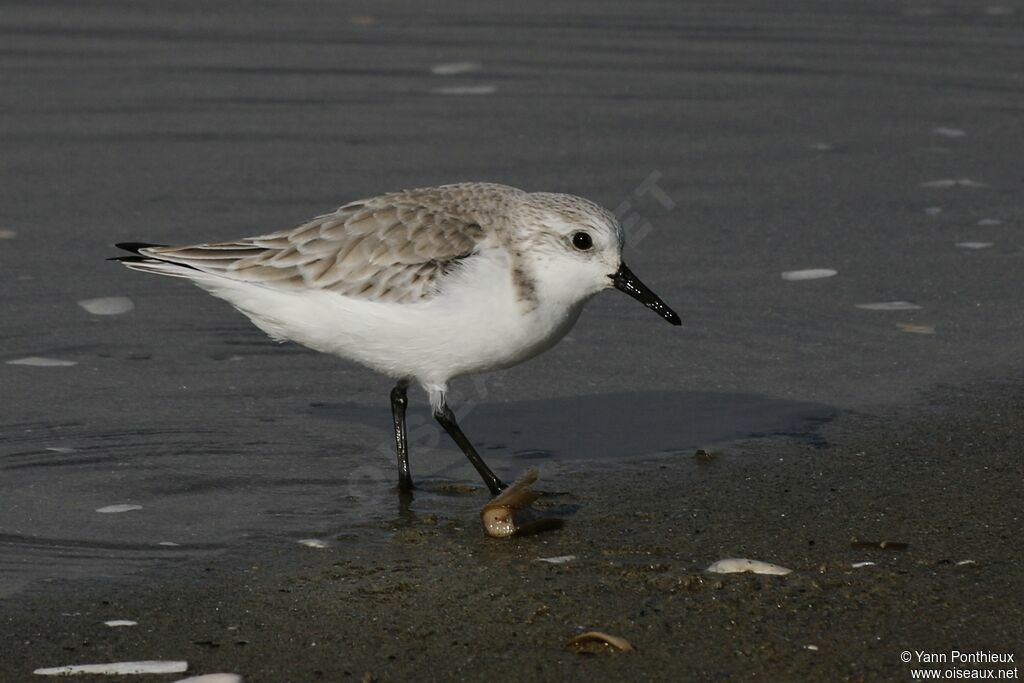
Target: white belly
x,y
477,323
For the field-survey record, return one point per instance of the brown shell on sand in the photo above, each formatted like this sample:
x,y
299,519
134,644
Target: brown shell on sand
x,y
510,512
593,642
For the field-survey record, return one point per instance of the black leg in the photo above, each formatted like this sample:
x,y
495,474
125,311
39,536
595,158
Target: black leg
x,y
398,404
446,418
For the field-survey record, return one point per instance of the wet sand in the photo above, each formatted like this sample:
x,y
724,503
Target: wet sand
x,y
736,141
428,597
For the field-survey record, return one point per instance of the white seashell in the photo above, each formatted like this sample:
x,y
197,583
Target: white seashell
x,y
889,306
312,543
121,622
122,507
808,274
116,668
858,565
108,305
560,559
735,565
40,362
915,329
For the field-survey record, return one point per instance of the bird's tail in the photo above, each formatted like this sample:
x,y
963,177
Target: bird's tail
x,y
144,260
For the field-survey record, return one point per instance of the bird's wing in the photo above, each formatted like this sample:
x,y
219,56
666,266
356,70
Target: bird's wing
x,y
391,248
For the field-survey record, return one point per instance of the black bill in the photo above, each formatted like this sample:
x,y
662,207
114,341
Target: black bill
x,y
627,282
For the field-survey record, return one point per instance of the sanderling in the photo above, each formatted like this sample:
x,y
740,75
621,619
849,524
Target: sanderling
x,y
425,285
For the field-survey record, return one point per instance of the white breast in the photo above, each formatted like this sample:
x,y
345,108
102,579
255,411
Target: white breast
x,y
476,323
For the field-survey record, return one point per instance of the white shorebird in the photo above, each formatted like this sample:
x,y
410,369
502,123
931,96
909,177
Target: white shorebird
x,y
424,285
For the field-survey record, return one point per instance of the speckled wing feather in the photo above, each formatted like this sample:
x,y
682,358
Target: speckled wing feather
x,y
396,247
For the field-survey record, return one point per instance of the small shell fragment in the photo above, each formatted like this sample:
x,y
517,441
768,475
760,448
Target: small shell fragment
x,y
560,559
858,565
312,543
808,274
735,565
114,509
975,245
212,678
41,362
509,513
598,641
113,623
915,329
116,668
108,305
889,306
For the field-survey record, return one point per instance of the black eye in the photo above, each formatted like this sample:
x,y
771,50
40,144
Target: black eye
x,y
582,241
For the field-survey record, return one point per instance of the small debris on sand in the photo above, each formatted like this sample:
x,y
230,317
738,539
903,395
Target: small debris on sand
x,y
116,668
877,545
41,362
114,509
593,642
808,274
737,565
108,305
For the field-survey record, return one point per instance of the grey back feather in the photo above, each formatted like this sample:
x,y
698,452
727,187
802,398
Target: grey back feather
x,y
397,247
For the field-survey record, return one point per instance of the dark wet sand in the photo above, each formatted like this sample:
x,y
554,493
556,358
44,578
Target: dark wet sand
x,y
783,136
430,598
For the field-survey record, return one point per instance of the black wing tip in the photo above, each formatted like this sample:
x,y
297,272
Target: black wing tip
x,y
129,259
134,247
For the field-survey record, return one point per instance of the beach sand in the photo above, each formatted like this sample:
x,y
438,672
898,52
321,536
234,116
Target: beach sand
x,y
877,144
